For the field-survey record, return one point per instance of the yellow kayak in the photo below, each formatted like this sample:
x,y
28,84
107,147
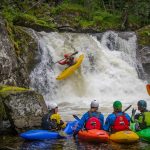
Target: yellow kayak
x,y
124,137
69,71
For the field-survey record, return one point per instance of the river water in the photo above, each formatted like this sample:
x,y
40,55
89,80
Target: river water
x,y
110,71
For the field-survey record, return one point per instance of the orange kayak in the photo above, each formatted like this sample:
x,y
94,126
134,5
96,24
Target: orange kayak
x,y
93,135
148,88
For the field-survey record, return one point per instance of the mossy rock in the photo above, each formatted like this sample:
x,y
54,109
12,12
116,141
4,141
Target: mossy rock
x,y
144,36
33,22
24,44
4,91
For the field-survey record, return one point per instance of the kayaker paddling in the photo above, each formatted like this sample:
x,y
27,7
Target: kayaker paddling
x,y
68,59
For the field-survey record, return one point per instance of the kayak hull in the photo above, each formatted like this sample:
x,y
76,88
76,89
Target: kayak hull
x,y
69,71
124,137
148,88
143,134
46,134
93,135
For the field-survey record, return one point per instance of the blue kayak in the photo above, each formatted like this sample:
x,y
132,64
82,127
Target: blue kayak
x,y
38,134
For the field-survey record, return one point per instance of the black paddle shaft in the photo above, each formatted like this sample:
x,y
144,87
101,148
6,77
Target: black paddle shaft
x,y
65,58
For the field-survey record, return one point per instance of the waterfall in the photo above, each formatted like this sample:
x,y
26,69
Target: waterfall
x,y
108,72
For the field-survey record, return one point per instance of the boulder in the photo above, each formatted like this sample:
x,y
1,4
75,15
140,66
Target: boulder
x,y
145,59
24,108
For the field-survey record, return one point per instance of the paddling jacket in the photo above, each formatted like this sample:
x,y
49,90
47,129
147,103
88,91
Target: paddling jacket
x,y
143,119
52,122
69,61
116,121
86,116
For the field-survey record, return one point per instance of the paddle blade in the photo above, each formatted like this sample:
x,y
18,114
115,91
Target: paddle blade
x,y
76,117
148,88
62,133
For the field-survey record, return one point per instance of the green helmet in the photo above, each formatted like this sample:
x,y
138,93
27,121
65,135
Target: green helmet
x,y
117,105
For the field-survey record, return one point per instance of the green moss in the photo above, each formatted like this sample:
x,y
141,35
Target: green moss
x,y
144,36
86,24
69,8
28,20
6,88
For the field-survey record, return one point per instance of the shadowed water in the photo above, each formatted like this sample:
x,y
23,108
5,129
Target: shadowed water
x,y
16,143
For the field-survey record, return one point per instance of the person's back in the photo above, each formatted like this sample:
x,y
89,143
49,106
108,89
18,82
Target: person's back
x,y
52,120
91,119
118,120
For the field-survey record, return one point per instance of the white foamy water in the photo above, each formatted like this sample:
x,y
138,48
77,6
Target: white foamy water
x,y
108,72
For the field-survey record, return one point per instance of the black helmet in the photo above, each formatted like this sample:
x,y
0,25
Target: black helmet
x,y
142,104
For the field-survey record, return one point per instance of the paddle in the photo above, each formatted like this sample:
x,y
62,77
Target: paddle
x,y
127,108
68,57
148,88
76,117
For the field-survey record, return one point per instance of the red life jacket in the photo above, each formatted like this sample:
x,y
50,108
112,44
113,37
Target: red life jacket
x,y
69,61
93,122
121,123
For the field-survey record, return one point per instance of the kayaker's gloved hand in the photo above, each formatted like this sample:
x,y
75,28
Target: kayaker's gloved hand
x,y
75,134
133,112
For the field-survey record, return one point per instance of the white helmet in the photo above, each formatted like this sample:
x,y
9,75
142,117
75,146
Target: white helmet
x,y
52,106
95,104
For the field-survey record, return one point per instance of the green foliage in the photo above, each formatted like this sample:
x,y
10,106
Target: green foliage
x,y
9,13
102,14
144,35
69,8
30,21
86,24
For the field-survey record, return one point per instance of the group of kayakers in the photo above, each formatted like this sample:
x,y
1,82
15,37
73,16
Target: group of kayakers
x,y
93,119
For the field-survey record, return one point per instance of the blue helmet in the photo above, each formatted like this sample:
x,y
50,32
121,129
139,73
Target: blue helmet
x,y
142,104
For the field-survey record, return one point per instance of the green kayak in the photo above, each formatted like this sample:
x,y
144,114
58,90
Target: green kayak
x,y
143,134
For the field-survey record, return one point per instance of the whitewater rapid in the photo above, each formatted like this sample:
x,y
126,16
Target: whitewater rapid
x,y
109,71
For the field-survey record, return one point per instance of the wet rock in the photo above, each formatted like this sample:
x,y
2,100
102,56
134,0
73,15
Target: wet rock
x,y
18,51
24,109
145,59
8,58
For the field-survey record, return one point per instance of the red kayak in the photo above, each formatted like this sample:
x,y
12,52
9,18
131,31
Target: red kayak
x,y
93,135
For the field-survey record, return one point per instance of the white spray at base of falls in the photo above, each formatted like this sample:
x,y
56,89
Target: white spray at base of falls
x,y
108,72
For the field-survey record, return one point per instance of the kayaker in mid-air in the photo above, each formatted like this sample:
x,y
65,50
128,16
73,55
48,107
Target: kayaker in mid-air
x,y
91,119
118,120
69,59
141,119
52,120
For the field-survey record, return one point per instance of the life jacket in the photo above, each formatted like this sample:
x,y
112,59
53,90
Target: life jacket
x,y
121,123
47,123
144,120
70,61
93,122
